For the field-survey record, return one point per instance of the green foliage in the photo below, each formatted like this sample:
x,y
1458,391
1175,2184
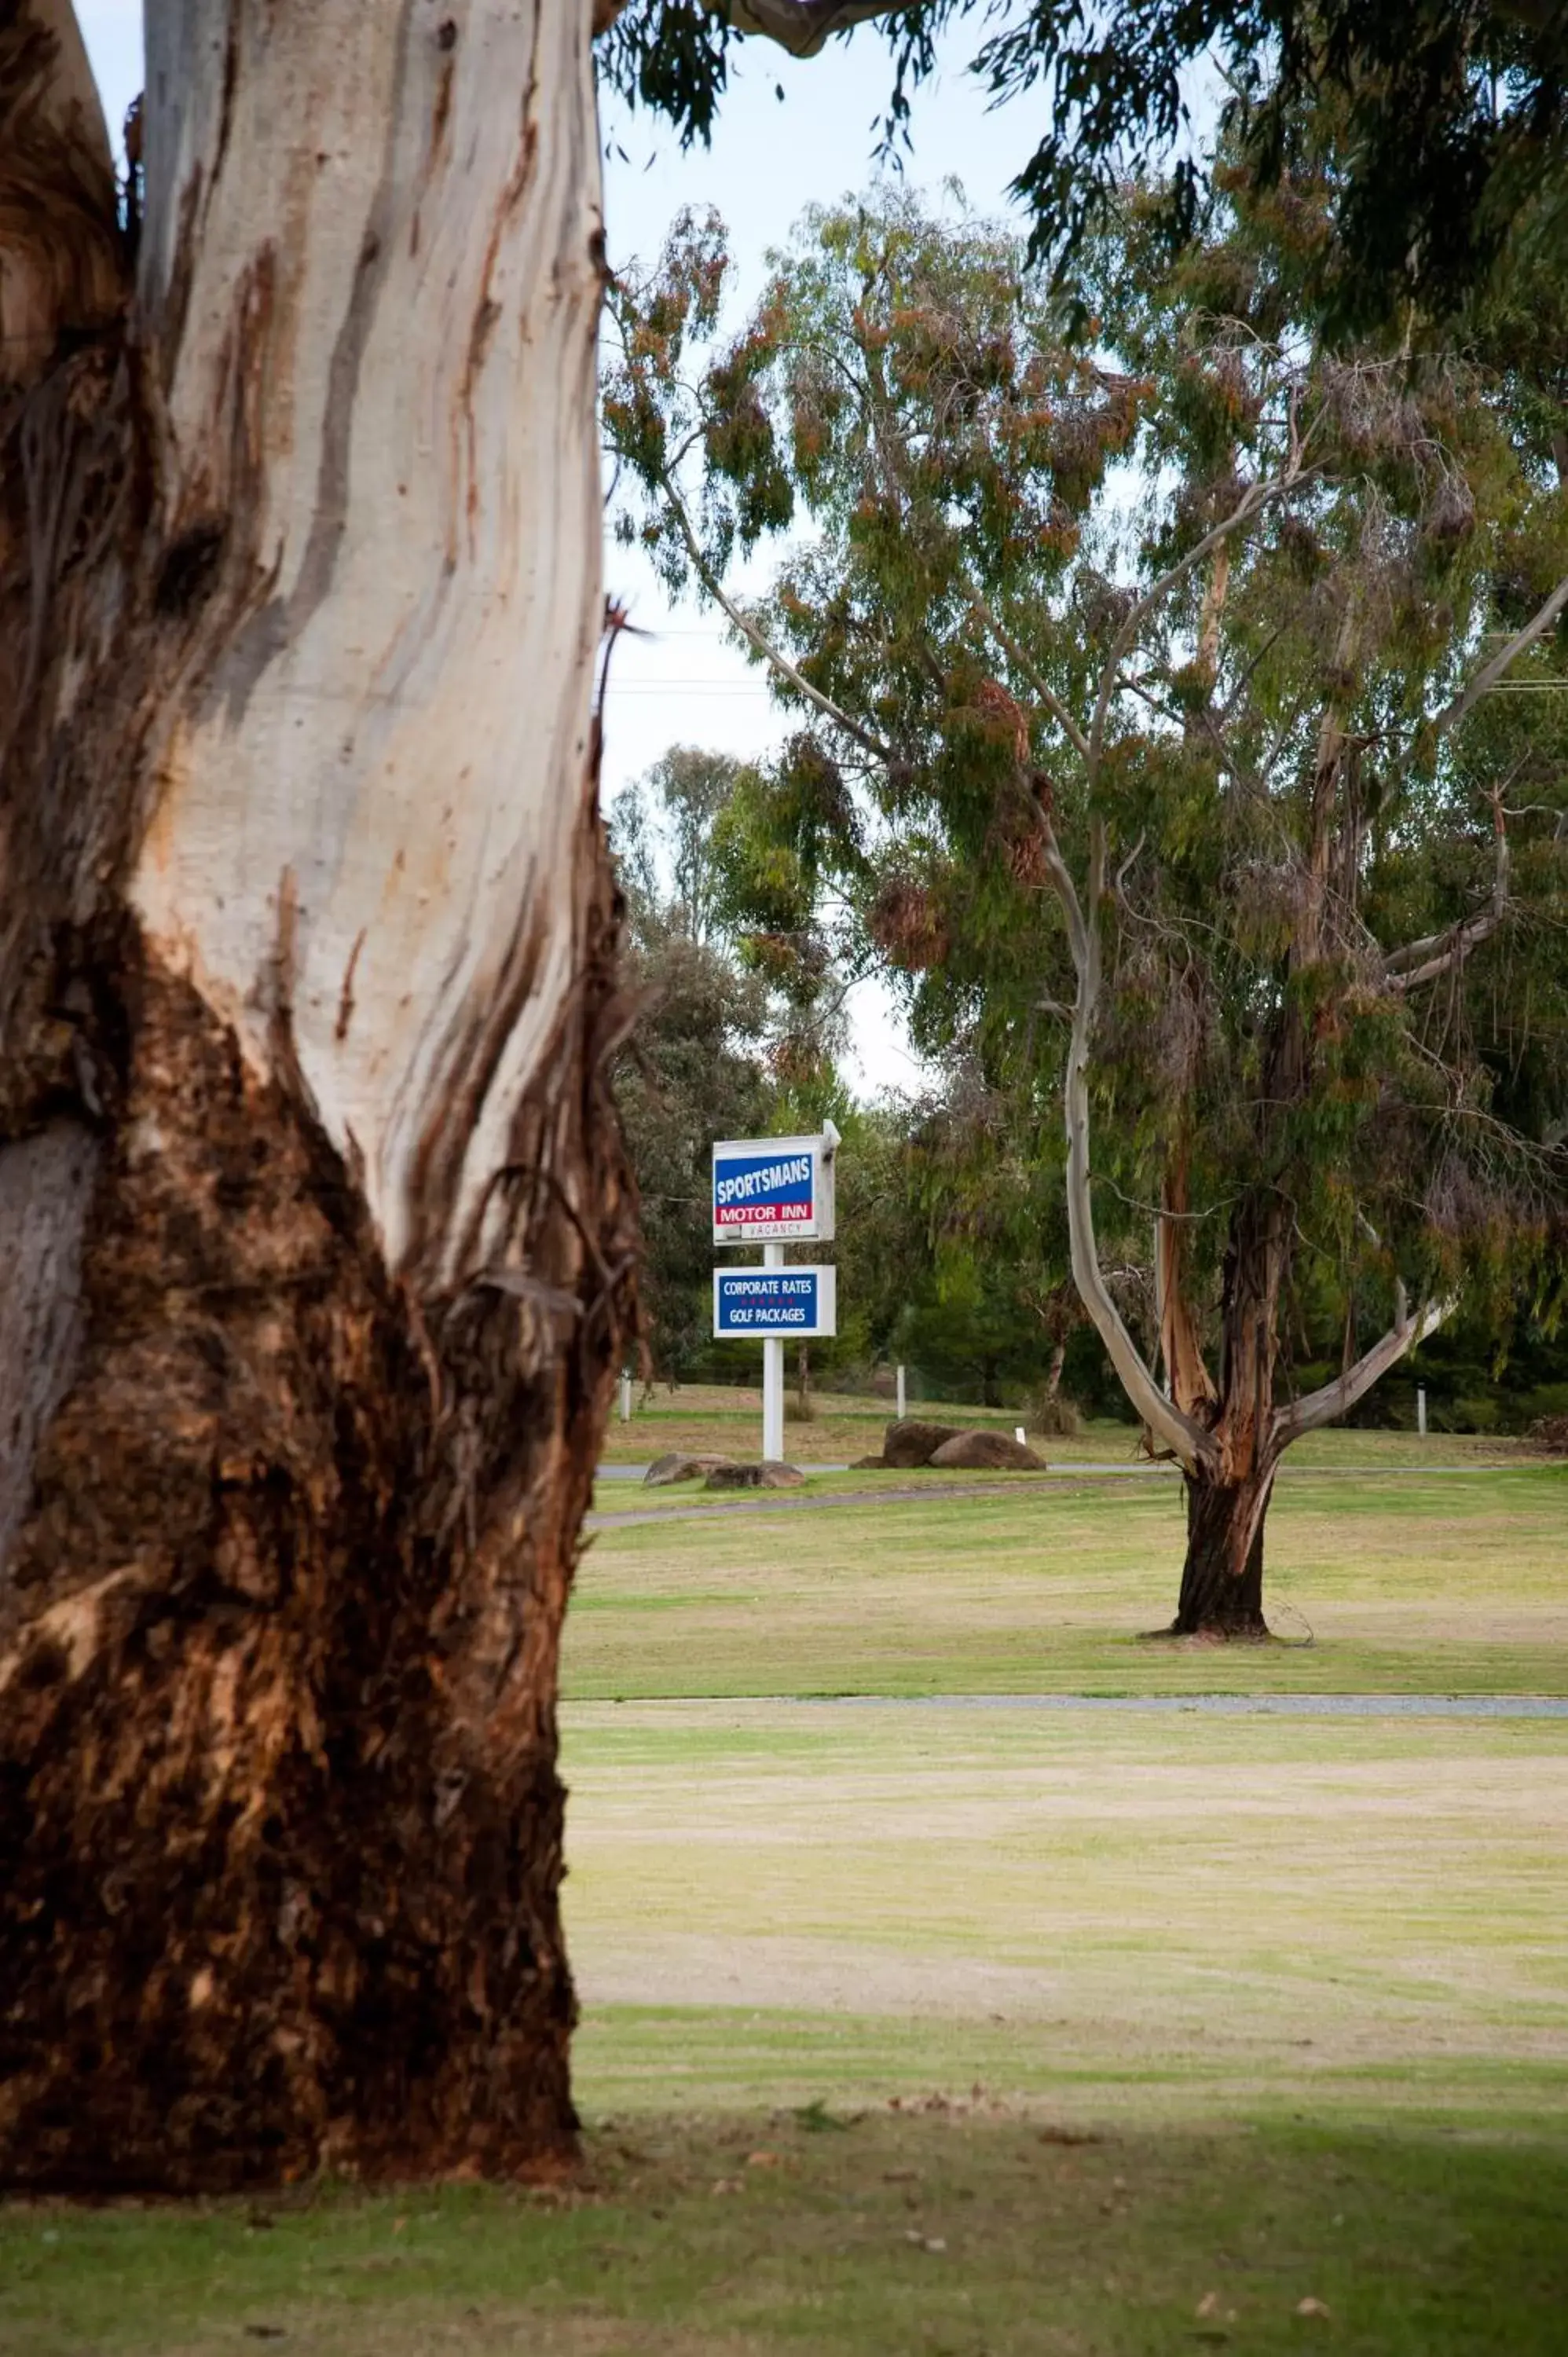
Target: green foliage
x,y
1332,891
693,1071
1453,114
695,1066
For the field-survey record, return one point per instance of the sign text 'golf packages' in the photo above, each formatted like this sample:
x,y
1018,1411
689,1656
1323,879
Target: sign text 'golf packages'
x,y
774,1302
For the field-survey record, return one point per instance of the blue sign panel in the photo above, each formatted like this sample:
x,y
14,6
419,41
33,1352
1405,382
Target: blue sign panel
x,y
762,1189
767,1301
769,1189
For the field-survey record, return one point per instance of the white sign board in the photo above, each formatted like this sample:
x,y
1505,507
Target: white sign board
x,y
774,1190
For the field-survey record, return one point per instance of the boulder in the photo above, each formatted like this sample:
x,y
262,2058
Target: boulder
x,y
772,1475
986,1452
868,1464
677,1468
912,1443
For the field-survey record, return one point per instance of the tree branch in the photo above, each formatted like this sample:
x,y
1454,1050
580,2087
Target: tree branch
x,y
1191,1442
1256,500
804,26
1492,671
1015,655
1337,1398
1439,953
749,630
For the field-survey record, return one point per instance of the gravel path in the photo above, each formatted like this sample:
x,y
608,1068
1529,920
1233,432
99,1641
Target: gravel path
x,y
792,1502
1324,1705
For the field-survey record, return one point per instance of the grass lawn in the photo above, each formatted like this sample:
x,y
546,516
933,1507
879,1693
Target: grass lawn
x,y
1452,1580
726,1420
959,2231
936,2020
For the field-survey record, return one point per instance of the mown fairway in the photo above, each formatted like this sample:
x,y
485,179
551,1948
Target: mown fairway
x,y
920,2016
1453,1579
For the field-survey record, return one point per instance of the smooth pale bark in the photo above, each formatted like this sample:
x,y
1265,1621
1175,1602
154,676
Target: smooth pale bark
x,y
373,287
306,1157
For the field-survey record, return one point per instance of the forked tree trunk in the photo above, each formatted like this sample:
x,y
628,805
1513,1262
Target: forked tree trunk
x,y
313,1218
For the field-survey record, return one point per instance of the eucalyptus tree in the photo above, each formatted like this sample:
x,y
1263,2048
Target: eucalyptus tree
x,y
1154,675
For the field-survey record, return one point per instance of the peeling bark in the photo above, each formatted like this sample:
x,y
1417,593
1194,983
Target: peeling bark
x,y
307,1162
1186,1375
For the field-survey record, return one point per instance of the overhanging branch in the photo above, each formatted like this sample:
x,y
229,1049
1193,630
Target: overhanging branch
x,y
1021,662
749,631
804,26
1258,497
1439,953
1492,671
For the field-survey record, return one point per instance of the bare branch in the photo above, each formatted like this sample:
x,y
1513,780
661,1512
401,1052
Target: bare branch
x,y
1337,1398
804,26
1439,953
1487,678
1015,655
749,630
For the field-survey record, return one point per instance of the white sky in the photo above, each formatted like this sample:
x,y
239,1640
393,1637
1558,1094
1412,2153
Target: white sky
x,y
769,159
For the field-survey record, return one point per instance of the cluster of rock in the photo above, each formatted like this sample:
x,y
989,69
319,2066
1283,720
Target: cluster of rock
x,y
907,1445
910,1444
720,1474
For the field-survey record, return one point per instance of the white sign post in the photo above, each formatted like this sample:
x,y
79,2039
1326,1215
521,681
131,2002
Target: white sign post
x,y
767,1189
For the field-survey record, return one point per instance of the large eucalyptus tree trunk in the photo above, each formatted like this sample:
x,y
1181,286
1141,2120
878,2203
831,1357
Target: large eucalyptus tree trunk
x,y
313,1227
1227,1490
1223,1574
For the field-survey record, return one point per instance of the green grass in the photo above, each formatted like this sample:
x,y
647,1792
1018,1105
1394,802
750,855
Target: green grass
x,y
1451,1582
919,2027
1162,1918
956,2231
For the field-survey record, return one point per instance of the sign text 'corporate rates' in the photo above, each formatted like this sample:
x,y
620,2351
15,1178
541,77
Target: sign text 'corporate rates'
x,y
799,1301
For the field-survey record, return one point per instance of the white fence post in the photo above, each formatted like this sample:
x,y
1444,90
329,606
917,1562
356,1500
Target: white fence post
x,y
901,1408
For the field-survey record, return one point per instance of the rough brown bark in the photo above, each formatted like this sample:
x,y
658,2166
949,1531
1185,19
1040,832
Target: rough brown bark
x,y
280,1828
287,1518
1222,1577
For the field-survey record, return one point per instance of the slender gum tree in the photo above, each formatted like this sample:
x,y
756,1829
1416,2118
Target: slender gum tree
x,y
1222,711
